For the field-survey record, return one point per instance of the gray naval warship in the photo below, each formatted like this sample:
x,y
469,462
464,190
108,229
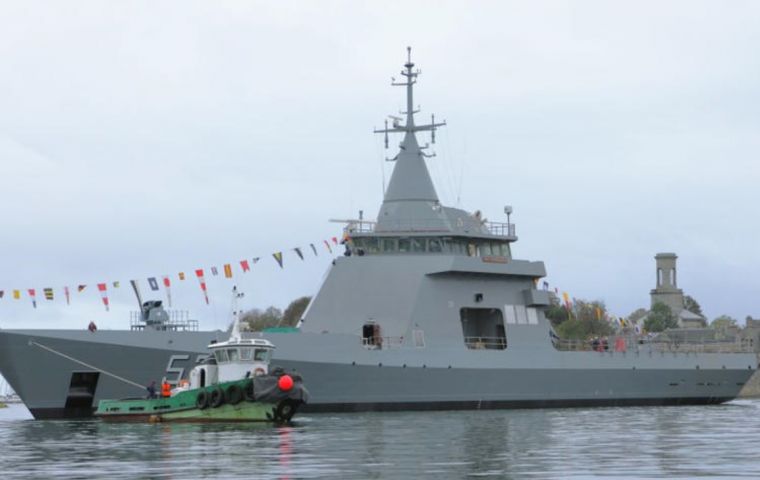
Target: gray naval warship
x,y
427,309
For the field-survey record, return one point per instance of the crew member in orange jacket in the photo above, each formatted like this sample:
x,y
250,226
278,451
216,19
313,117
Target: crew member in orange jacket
x,y
166,389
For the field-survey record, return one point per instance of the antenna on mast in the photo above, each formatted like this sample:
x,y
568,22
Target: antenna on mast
x,y
409,128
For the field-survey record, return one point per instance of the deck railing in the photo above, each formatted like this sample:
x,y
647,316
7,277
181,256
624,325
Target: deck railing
x,y
379,343
400,226
500,229
360,227
179,321
485,343
643,344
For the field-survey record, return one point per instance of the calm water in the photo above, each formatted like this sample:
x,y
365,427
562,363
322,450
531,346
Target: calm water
x,y
607,442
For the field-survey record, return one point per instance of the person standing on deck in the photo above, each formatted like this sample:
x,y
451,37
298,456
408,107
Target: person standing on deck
x,y
151,389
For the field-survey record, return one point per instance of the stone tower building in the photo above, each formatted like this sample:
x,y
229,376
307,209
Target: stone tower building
x,y
667,292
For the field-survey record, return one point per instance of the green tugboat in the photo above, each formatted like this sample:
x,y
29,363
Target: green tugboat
x,y
234,383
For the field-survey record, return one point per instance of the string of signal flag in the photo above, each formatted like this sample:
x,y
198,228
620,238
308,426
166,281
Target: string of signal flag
x,y
245,267
166,280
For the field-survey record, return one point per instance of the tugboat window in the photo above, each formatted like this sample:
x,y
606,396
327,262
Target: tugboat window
x,y
434,245
246,354
403,244
221,356
389,245
262,355
233,354
483,329
418,244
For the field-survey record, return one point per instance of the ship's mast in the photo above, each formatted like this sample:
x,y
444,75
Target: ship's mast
x,y
410,128
235,334
411,80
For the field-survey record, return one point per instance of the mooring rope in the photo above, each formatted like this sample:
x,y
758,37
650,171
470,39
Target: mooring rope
x,y
68,357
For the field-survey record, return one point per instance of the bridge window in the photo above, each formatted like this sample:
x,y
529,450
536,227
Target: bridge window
x,y
363,246
456,246
371,245
221,356
453,245
389,245
262,355
498,249
246,354
233,354
483,328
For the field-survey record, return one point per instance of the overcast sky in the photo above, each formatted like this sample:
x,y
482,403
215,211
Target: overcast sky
x,y
146,138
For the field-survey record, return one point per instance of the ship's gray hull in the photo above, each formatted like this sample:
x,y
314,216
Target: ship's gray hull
x,y
39,366
427,309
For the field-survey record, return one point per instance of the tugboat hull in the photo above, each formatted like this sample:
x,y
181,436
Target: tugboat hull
x,y
227,402
244,412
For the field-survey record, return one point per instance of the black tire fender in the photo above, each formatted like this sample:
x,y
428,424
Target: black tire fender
x,y
285,410
248,392
201,401
216,398
233,395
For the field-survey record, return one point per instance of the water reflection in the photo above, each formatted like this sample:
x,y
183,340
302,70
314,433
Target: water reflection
x,y
621,442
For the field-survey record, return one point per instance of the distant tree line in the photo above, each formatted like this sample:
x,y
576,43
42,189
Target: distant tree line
x,y
692,305
660,317
256,320
724,322
583,320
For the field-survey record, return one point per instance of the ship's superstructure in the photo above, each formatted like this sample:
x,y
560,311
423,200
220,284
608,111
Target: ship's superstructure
x,y
427,309
415,251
